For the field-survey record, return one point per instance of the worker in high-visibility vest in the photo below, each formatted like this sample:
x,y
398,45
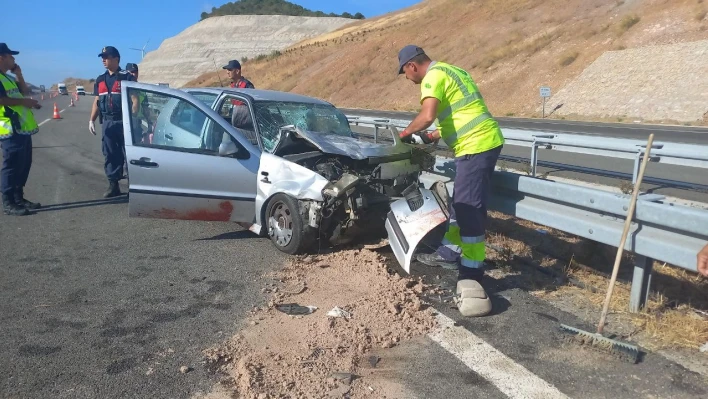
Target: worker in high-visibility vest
x,y
464,123
17,125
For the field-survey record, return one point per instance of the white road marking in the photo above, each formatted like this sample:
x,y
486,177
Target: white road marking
x,y
511,378
49,119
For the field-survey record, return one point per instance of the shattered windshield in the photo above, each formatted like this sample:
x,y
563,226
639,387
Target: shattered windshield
x,y
320,118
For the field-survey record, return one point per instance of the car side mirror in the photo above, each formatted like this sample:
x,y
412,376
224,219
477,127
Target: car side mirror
x,y
228,148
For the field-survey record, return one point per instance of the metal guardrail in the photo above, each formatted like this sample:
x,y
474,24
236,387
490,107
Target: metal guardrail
x,y
690,155
660,231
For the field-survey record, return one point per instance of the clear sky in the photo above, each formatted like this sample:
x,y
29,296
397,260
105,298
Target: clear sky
x,y
62,38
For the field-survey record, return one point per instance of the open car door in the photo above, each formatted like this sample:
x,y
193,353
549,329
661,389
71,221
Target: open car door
x,y
184,160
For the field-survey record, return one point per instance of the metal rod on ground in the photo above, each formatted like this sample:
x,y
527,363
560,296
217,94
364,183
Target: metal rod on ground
x,y
597,340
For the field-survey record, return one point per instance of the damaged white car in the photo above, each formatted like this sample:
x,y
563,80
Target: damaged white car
x,y
288,166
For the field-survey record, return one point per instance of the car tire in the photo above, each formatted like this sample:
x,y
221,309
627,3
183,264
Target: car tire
x,y
288,230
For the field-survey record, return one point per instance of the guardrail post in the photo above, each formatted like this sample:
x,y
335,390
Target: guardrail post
x,y
637,163
376,133
641,282
534,158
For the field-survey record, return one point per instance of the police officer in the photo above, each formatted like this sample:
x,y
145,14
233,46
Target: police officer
x,y
233,69
108,103
449,95
17,125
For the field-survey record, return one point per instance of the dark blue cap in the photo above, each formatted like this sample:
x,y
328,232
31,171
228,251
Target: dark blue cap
x,y
6,50
131,67
406,54
109,51
233,64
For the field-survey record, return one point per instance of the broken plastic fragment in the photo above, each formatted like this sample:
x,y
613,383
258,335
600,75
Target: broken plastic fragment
x,y
704,348
339,312
343,377
295,309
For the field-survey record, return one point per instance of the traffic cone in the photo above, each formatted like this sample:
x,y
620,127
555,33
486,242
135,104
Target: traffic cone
x,y
71,103
56,112
42,97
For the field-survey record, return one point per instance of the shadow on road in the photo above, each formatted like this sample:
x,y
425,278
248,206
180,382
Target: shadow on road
x,y
234,235
84,204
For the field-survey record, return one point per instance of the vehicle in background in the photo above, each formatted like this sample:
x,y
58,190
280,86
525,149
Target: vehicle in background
x,y
61,87
80,91
41,88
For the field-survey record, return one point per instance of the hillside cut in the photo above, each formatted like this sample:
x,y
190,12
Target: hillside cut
x,y
668,82
216,40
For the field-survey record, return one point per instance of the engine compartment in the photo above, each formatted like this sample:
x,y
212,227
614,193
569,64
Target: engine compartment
x,y
358,197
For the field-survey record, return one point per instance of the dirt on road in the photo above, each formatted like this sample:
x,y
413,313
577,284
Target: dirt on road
x,y
318,355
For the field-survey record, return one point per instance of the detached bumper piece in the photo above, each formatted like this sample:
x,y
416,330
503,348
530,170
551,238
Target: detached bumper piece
x,y
413,217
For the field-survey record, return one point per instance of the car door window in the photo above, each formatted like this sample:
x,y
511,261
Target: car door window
x,y
173,123
237,112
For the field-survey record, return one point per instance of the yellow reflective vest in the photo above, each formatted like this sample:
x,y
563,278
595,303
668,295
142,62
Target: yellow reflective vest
x,y
15,119
463,119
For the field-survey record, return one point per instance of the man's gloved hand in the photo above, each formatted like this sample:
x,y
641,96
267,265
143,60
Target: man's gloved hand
x,y
426,137
92,128
417,138
409,139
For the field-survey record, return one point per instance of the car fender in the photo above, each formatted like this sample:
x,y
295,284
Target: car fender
x,y
278,175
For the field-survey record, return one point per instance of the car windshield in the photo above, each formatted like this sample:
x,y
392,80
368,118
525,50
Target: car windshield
x,y
319,118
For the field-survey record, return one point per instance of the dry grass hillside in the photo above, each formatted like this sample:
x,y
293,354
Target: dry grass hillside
x,y
511,47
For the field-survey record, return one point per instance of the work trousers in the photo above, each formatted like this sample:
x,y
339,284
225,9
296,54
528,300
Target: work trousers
x,y
113,146
16,162
464,241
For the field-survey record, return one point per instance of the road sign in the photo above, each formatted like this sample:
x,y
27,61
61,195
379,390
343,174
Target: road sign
x,y
545,92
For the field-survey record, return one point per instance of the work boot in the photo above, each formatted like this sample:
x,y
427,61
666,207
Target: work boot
x,y
472,300
21,201
435,260
113,189
9,207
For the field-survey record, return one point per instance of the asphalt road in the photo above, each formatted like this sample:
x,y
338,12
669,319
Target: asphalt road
x,y
94,304
659,178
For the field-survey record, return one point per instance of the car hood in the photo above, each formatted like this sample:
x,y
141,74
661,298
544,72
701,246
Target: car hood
x,y
356,148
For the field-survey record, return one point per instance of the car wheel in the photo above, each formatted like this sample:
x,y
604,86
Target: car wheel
x,y
285,225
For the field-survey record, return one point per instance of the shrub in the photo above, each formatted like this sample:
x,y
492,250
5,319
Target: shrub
x,y
628,22
569,58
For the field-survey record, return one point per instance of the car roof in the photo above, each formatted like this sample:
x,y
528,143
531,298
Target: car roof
x,y
260,95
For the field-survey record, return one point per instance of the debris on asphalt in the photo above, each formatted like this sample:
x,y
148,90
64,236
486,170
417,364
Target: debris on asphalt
x,y
185,369
305,354
339,312
378,245
295,309
339,392
345,378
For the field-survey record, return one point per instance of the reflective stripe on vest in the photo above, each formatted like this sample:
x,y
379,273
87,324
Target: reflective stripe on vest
x,y
468,98
26,124
451,139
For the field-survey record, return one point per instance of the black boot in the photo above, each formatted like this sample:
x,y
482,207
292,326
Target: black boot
x,y
9,207
21,201
113,189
